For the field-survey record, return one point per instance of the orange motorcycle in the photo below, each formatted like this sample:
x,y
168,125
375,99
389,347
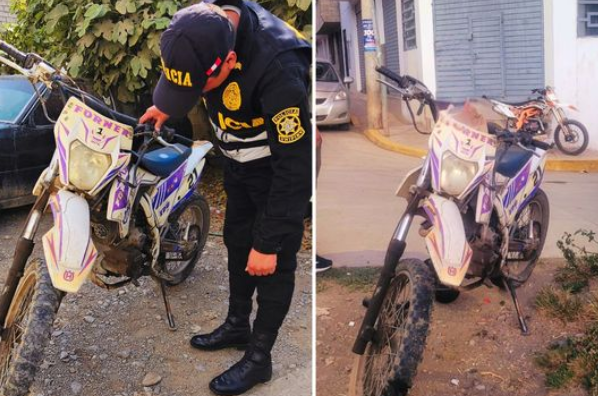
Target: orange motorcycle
x,y
538,116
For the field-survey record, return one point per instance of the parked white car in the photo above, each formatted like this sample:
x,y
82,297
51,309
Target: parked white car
x,y
332,96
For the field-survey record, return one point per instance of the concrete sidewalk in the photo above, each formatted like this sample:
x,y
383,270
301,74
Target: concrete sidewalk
x,y
400,136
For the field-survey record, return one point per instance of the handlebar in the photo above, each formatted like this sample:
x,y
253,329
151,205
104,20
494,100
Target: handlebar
x,y
12,52
403,82
522,138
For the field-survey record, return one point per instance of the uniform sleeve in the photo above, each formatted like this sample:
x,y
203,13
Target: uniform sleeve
x,y
285,104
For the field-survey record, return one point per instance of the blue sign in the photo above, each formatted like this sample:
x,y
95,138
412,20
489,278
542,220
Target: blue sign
x,y
369,39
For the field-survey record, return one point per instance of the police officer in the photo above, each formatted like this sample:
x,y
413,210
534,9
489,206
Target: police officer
x,y
253,72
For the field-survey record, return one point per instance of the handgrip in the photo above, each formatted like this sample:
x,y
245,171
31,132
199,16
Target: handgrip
x,y
541,145
12,52
393,76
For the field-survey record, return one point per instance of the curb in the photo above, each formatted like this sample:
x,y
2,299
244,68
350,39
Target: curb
x,y
558,165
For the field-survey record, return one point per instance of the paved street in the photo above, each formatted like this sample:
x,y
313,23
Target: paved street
x,y
357,210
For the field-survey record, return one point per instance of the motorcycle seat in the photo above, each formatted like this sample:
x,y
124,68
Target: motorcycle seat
x,y
163,161
512,161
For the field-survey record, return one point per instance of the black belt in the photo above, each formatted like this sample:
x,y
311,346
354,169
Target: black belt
x,y
230,146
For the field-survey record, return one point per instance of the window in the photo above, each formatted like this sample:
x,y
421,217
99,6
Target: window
x,y
325,72
587,24
409,37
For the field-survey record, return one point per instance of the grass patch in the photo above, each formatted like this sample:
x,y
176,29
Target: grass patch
x,y
559,304
581,261
354,279
573,361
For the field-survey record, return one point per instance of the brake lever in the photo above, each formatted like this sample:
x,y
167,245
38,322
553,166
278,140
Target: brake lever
x,y
422,105
528,149
166,144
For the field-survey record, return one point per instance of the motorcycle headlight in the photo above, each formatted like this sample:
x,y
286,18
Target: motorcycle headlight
x,y
341,95
86,166
456,174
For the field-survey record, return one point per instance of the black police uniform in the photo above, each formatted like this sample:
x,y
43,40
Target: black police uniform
x,y
262,119
261,114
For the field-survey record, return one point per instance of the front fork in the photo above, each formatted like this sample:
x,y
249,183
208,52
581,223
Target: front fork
x,y
23,250
396,248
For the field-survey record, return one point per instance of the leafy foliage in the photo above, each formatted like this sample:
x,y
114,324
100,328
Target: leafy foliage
x,y
575,359
113,43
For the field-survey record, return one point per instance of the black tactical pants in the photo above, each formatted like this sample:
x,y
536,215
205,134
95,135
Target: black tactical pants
x,y
247,189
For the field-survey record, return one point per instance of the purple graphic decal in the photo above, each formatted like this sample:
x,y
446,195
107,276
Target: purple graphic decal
x,y
86,130
169,186
62,158
435,170
121,194
108,140
90,258
517,185
486,203
66,130
439,224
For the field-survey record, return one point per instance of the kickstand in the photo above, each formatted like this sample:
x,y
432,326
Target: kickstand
x,y
171,323
511,288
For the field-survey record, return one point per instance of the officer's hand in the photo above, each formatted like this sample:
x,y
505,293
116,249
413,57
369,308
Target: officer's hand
x,y
154,115
260,264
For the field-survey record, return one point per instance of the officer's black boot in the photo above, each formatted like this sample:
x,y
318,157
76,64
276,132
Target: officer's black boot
x,y
254,368
233,333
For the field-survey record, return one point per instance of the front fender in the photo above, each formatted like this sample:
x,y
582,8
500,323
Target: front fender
x,y
446,240
68,248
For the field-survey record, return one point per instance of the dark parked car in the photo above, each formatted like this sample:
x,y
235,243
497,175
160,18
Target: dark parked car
x,y
26,138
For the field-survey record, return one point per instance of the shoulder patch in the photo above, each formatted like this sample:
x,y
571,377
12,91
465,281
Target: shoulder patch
x,y
288,125
231,97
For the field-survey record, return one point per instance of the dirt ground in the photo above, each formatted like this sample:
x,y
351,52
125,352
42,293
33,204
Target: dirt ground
x,y
105,342
474,347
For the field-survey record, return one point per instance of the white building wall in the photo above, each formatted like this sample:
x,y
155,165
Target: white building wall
x,y
322,47
349,23
5,15
574,62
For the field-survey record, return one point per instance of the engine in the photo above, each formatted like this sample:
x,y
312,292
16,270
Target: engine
x,y
483,246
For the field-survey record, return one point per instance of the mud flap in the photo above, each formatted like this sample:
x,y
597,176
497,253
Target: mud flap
x,y
446,242
68,249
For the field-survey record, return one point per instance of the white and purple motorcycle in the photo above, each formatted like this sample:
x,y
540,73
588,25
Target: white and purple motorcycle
x,y
124,204
484,221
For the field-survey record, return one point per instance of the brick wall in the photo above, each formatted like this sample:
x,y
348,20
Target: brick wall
x,y
5,16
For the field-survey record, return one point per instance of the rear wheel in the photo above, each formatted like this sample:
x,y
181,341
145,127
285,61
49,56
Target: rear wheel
x,y
190,226
571,137
532,219
390,361
28,326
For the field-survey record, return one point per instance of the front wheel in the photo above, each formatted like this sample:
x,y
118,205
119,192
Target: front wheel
x,y
28,326
189,226
571,137
389,364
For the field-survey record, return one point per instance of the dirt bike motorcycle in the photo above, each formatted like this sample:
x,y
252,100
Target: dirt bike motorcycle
x,y
538,116
124,205
484,221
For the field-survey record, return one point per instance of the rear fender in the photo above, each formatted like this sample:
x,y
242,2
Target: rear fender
x,y
446,241
68,249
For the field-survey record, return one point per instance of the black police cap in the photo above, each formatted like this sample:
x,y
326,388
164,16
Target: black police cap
x,y
193,48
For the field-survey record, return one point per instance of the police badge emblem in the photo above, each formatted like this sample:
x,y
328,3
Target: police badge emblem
x,y
231,97
288,125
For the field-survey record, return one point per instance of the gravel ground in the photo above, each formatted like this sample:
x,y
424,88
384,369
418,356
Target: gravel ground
x,y
117,343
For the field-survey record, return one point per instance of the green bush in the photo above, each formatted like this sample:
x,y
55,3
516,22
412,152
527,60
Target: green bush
x,y
112,43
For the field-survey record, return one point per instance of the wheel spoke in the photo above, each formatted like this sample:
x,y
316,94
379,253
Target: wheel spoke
x,y
384,351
